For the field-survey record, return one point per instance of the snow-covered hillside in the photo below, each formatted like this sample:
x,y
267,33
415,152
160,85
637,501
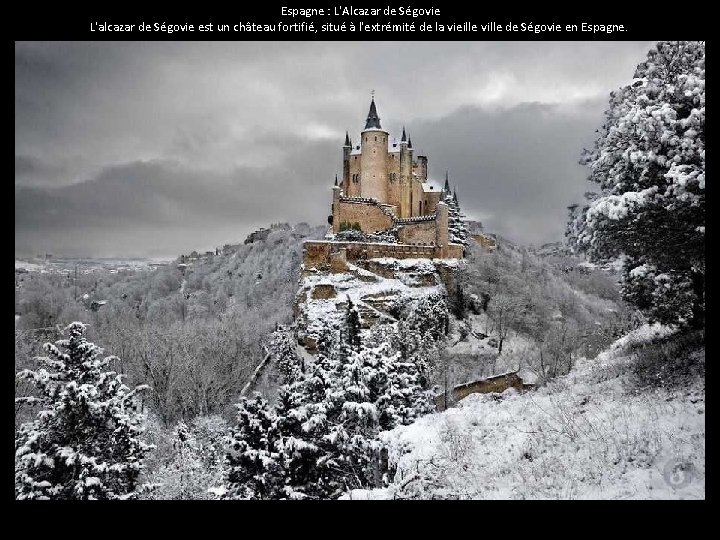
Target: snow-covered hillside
x,y
592,434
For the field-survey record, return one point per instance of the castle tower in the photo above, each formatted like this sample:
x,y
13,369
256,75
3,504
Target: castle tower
x,y
347,148
374,157
405,177
441,228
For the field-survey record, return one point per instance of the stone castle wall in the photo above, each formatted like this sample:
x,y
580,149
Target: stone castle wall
x,y
320,254
368,214
422,232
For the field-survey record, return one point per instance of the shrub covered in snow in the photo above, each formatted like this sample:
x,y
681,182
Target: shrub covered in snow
x,y
193,461
85,442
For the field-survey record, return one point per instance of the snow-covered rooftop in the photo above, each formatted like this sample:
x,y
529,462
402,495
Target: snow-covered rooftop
x,y
431,186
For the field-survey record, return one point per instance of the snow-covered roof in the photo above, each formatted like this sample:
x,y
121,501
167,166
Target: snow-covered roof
x,y
391,149
431,186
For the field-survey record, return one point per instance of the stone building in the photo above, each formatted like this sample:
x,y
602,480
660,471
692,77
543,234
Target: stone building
x,y
386,170
385,192
385,188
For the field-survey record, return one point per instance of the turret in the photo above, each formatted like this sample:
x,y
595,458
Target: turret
x,y
374,156
441,227
406,170
347,148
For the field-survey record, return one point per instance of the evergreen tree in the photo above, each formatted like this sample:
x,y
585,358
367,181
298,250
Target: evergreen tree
x,y
457,229
283,346
649,161
321,438
254,468
352,322
84,443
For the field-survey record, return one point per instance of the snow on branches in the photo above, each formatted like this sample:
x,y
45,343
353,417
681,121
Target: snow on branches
x,y
649,161
84,443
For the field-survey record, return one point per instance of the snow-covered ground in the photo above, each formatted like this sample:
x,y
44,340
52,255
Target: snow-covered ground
x,y
588,435
362,288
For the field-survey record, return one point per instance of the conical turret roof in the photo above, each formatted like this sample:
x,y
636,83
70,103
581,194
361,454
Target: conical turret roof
x,y
373,120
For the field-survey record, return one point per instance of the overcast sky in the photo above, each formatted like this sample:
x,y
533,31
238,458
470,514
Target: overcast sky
x,y
155,149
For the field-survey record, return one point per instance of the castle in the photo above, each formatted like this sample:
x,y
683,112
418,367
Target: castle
x,y
385,170
385,192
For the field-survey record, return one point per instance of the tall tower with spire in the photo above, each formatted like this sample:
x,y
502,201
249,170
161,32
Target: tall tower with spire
x,y
347,149
386,191
374,157
385,169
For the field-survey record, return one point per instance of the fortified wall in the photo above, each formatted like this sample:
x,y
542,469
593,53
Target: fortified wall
x,y
332,255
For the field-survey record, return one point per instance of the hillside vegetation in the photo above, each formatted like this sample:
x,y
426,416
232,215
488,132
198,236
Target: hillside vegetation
x,y
604,431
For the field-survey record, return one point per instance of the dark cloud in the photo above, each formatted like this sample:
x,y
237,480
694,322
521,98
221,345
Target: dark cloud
x,y
524,169
157,148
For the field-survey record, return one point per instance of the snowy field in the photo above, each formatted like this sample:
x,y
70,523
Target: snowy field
x,y
588,435
87,266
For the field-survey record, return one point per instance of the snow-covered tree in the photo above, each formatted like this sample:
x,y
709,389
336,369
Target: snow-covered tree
x,y
254,467
186,477
352,324
283,346
457,228
649,161
321,437
85,442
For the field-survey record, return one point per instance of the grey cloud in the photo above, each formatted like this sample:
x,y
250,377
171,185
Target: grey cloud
x,y
134,148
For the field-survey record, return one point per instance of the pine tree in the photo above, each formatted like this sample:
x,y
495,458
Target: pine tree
x,y
457,229
352,322
649,161
254,467
321,438
301,421
283,346
84,443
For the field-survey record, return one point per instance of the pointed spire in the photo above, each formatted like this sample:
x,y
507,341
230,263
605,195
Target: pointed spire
x,y
409,142
336,179
347,139
404,137
455,199
373,120
446,188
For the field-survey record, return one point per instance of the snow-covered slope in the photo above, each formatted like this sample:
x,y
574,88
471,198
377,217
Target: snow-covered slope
x,y
588,435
